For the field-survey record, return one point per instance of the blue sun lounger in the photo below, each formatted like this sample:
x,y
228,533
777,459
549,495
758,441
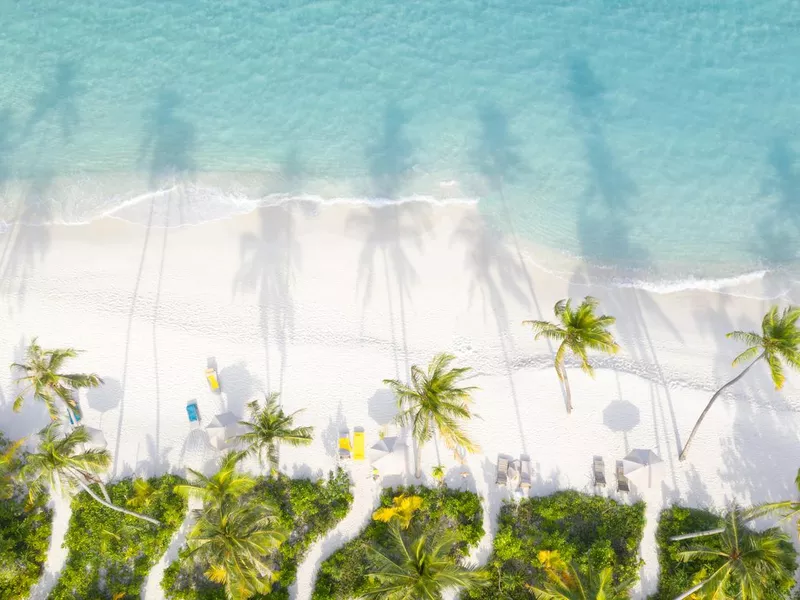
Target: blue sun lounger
x,y
194,414
74,415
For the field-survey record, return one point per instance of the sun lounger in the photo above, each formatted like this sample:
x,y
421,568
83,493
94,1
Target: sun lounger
x,y
213,379
524,473
622,481
599,471
344,445
194,414
502,471
75,415
358,444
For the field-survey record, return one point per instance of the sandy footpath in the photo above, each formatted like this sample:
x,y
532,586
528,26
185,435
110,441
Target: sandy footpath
x,y
322,304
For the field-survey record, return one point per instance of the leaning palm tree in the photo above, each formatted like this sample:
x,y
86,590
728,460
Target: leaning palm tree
x,y
578,330
778,342
435,402
64,463
572,583
268,427
234,543
42,377
419,568
226,484
752,563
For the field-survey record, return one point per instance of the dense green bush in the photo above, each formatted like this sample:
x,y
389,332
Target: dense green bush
x,y
675,577
589,531
306,508
343,575
110,553
24,534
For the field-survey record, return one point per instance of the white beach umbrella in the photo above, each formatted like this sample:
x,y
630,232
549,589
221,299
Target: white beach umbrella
x,y
388,454
222,428
643,467
96,439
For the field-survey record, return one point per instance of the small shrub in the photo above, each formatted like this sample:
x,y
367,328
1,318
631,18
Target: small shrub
x,y
110,553
587,531
308,509
344,574
24,537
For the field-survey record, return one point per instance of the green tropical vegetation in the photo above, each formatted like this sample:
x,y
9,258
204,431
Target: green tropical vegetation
x,y
435,403
787,509
41,376
537,536
269,427
566,581
355,569
25,527
305,510
578,331
111,553
63,463
721,556
778,343
418,566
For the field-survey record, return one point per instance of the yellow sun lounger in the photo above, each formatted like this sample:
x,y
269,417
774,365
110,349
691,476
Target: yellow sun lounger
x,y
358,445
344,445
213,380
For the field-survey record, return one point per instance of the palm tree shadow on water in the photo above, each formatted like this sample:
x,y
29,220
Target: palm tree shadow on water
x,y
605,237
389,228
166,151
57,99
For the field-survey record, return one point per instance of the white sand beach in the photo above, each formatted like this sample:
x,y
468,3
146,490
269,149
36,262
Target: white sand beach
x,y
323,303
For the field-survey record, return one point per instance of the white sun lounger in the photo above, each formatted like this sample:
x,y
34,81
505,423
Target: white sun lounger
x,y
502,471
524,473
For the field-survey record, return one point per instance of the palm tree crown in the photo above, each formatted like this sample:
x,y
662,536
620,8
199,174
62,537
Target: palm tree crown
x,y
789,509
418,569
268,427
571,583
9,465
227,483
435,402
778,343
578,330
43,379
754,563
236,542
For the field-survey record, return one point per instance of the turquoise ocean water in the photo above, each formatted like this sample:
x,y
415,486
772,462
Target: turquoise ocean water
x,y
663,137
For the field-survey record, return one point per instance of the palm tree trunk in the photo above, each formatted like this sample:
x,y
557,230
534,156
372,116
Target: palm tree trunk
x,y
688,593
418,460
97,498
566,387
690,536
710,402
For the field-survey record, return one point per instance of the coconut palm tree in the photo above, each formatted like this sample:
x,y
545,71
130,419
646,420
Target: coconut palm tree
x,y
578,330
571,583
435,402
234,542
751,563
419,568
64,463
778,342
268,427
787,508
43,378
227,483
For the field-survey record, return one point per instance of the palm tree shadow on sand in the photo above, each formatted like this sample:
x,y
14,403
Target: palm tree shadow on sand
x,y
270,260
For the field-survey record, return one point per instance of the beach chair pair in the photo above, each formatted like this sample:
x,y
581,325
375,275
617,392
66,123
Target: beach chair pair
x,y
523,467
354,450
599,473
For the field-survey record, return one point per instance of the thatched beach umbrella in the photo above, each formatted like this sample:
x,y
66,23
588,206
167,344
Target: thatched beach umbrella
x,y
643,467
222,428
